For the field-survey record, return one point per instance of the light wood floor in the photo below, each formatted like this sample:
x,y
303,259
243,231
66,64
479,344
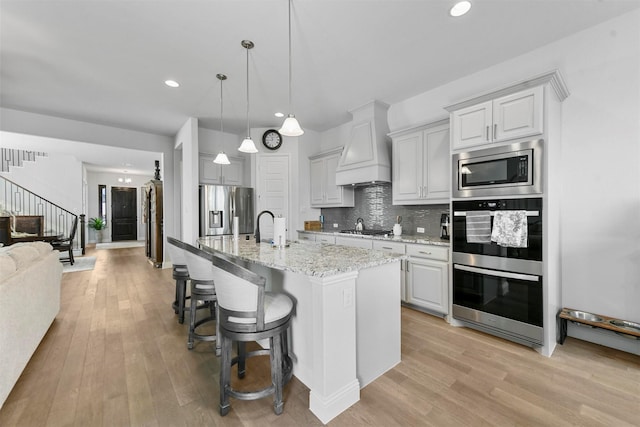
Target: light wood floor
x,y
116,356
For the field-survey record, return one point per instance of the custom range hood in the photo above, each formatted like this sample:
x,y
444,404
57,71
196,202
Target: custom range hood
x,y
366,157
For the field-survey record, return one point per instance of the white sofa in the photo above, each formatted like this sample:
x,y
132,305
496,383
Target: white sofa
x,y
30,275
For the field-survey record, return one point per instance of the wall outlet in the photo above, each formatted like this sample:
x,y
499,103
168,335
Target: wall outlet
x,y
336,225
420,230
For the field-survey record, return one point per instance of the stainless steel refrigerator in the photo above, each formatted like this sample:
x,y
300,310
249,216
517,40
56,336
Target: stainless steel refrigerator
x,y
219,204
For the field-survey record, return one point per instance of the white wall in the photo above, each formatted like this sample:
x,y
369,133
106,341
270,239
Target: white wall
x,y
187,140
57,177
111,180
72,130
600,184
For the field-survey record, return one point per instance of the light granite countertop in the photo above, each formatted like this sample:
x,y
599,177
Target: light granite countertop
x,y
404,238
310,259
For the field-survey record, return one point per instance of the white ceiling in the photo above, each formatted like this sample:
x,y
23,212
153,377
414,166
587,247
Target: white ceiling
x,y
105,61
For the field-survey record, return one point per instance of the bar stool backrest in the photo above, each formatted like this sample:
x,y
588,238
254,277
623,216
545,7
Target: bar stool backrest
x,y
176,251
240,291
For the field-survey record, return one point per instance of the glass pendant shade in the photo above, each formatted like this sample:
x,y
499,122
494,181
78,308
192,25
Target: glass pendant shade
x,y
248,146
222,159
291,127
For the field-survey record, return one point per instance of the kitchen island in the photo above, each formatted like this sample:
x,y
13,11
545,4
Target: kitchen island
x,y
345,331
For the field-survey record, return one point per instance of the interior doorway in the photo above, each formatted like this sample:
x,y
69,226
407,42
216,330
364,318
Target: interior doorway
x,y
124,208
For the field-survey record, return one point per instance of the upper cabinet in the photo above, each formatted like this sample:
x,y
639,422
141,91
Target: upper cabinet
x,y
324,191
508,117
514,112
213,173
421,164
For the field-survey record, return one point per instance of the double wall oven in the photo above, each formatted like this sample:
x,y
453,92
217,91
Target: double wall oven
x,y
498,288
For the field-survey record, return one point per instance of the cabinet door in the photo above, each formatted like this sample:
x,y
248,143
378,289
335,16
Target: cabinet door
x,y
316,169
427,283
233,174
213,173
518,115
333,192
210,173
407,168
438,178
472,125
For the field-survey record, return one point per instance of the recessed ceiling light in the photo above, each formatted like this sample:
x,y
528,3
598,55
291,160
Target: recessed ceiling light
x,y
460,8
171,83
278,114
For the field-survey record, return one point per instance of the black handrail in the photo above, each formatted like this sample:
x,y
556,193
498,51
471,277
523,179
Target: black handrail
x,y
17,200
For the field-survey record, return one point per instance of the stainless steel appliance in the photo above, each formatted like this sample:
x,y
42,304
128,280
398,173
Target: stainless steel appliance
x,y
219,204
498,289
508,170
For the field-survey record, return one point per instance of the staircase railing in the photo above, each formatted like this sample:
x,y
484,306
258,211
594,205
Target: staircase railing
x,y
14,157
17,200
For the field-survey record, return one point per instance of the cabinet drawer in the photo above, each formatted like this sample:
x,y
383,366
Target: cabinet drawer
x,y
326,239
395,247
354,243
306,237
440,253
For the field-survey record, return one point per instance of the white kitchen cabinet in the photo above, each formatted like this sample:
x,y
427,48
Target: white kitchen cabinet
x,y
399,248
353,242
384,245
506,117
326,238
306,237
213,173
421,165
324,191
427,278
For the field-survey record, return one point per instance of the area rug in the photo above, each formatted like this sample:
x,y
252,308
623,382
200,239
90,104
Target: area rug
x,y
81,264
120,245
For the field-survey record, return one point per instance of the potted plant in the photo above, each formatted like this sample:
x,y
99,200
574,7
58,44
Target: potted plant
x,y
97,224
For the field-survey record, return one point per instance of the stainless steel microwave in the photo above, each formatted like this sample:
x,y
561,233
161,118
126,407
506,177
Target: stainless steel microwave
x,y
508,170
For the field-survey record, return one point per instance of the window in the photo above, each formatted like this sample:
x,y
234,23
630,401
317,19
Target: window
x,y
102,202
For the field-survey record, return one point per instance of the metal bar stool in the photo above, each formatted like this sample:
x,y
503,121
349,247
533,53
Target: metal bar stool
x,y
180,275
202,289
248,313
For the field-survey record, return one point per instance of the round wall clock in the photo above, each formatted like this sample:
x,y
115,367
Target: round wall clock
x,y
272,139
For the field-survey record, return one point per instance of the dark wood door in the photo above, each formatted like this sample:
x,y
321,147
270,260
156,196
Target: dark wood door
x,y
124,221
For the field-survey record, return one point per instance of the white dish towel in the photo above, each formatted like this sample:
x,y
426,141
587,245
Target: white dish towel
x,y
479,227
510,229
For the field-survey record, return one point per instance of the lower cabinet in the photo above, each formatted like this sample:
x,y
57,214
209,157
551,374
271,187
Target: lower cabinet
x,y
427,278
306,237
354,242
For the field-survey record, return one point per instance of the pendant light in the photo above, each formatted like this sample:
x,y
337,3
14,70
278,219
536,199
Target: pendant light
x,y
221,158
247,145
290,127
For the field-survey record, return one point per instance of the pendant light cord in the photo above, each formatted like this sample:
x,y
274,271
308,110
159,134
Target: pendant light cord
x,y
290,74
221,106
248,135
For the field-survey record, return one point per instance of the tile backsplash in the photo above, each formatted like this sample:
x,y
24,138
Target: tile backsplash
x,y
373,204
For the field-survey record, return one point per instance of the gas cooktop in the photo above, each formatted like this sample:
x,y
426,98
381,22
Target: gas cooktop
x,y
367,232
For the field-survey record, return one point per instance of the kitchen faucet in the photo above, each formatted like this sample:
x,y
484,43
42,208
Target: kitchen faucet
x,y
258,224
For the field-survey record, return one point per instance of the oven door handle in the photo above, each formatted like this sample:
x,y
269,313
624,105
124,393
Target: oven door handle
x,y
493,213
505,274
